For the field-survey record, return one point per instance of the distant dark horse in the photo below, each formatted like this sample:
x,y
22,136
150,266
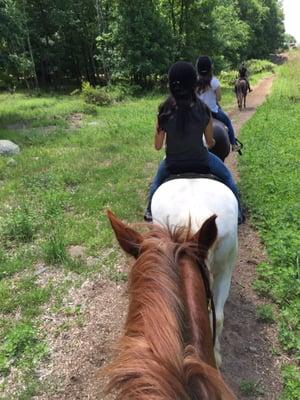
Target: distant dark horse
x,y
222,146
240,89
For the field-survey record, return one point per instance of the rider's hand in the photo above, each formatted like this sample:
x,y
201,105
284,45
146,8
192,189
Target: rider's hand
x,y
212,144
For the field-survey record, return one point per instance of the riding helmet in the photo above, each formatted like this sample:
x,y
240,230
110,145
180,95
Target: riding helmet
x,y
182,78
204,65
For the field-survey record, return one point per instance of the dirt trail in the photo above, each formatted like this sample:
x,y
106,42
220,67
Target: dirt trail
x,y
77,354
247,343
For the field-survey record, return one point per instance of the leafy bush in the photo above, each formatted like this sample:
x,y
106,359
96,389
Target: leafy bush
x,y
228,77
258,66
96,95
105,95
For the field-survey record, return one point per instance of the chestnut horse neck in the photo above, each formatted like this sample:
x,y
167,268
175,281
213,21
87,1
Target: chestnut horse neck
x,y
166,351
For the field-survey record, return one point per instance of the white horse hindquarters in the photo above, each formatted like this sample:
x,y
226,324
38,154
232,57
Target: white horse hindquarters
x,y
184,202
180,200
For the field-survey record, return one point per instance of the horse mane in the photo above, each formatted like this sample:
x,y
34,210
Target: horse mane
x,y
154,360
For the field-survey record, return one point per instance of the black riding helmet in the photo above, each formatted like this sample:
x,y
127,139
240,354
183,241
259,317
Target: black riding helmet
x,y
182,79
204,65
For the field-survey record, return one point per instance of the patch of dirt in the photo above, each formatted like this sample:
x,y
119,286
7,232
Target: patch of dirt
x,y
26,129
75,120
78,353
18,126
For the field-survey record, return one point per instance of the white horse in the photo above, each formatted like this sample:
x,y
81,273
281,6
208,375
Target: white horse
x,y
190,202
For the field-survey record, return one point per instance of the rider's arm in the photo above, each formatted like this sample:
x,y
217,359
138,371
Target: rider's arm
x,y
218,93
216,87
209,136
159,138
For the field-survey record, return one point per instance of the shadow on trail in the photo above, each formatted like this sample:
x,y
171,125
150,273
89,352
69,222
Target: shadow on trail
x,y
249,109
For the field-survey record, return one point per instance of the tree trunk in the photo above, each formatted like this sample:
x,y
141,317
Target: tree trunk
x,y
30,47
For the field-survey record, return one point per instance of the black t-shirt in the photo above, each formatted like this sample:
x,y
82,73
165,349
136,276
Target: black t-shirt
x,y
185,150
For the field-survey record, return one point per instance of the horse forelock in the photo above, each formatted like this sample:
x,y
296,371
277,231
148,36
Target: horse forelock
x,y
153,363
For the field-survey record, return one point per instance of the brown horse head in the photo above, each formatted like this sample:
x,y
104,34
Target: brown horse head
x,y
166,351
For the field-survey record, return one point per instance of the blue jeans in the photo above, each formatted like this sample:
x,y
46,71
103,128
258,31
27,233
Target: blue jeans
x,y
223,117
217,167
161,174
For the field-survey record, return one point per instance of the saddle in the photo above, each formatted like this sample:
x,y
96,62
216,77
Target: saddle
x,y
192,175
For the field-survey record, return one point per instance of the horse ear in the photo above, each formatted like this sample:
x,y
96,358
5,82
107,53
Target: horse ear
x,y
207,235
128,238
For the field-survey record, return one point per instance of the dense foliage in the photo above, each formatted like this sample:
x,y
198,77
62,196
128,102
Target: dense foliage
x,y
56,43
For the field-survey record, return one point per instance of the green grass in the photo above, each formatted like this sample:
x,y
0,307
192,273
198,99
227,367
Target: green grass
x,y
250,388
291,376
270,186
55,195
265,313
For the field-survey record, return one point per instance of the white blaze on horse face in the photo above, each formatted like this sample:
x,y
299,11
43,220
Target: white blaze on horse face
x,y
184,202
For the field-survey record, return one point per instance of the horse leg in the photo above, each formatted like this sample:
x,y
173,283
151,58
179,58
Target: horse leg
x,y
241,100
221,287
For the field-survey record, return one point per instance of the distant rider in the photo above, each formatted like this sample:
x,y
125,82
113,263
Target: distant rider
x,y
209,91
243,75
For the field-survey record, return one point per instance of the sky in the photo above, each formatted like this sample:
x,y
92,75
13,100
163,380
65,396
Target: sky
x,y
291,10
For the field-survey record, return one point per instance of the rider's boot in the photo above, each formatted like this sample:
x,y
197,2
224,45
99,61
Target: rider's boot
x,y
148,214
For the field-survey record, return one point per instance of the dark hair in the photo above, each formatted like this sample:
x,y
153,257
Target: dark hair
x,y
204,82
182,84
165,110
182,80
204,69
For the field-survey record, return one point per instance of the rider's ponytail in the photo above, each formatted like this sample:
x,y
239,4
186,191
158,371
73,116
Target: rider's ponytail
x,y
182,84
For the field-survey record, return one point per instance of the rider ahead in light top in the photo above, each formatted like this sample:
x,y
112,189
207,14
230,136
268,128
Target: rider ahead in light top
x,y
209,91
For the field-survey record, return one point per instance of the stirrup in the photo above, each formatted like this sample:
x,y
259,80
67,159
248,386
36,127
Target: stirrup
x,y
148,216
238,146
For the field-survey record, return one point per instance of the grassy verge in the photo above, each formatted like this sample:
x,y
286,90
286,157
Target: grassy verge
x,y
270,186
54,195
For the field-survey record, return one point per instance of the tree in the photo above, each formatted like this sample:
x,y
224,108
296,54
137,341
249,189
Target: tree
x,y
231,34
15,63
145,42
265,21
289,41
